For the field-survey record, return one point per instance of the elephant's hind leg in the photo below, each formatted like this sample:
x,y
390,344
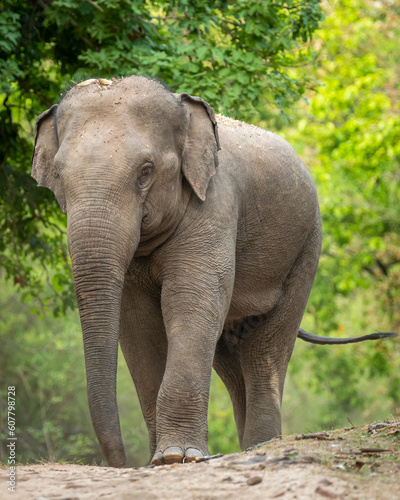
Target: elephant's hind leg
x,y
144,345
227,365
265,353
264,364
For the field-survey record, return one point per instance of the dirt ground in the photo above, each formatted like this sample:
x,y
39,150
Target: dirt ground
x,y
355,463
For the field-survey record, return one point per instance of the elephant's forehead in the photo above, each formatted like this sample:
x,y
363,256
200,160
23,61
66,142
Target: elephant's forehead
x,y
133,109
137,95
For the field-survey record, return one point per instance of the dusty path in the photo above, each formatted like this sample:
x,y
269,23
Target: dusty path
x,y
345,464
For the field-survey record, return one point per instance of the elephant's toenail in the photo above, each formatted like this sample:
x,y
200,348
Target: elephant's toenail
x,y
172,455
192,453
158,459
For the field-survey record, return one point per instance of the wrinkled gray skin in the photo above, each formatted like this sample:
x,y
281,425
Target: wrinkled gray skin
x,y
190,257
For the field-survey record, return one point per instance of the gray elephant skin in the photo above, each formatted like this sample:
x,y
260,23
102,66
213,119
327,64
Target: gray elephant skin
x,y
194,242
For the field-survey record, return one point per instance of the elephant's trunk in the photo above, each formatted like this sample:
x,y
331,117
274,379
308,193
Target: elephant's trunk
x,y
101,250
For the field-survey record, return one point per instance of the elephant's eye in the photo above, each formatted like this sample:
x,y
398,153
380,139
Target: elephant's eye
x,y
145,175
146,171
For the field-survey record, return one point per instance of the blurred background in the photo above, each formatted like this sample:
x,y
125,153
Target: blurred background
x,y
323,75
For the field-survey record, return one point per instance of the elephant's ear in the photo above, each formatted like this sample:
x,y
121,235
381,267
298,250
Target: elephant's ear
x,y
46,147
200,157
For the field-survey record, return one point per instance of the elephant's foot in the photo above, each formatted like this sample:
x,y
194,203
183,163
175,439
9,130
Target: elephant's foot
x,y
174,454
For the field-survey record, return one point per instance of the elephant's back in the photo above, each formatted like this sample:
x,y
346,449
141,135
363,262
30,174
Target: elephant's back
x,y
265,165
257,153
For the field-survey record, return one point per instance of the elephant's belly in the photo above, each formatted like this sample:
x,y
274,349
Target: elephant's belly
x,y
249,308
252,299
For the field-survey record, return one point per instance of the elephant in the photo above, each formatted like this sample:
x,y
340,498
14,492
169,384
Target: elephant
x,y
194,241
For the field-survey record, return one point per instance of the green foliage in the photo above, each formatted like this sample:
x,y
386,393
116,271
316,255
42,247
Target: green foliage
x,y
353,128
350,136
231,53
222,433
31,226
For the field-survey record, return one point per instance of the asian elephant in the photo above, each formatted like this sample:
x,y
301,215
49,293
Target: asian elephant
x,y
194,242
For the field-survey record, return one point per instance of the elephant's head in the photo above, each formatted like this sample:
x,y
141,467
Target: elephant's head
x,y
122,160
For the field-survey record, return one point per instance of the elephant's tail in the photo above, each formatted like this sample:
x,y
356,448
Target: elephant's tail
x,y
317,339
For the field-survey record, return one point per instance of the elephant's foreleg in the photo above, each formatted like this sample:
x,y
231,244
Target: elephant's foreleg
x,y
183,398
144,345
227,365
193,319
